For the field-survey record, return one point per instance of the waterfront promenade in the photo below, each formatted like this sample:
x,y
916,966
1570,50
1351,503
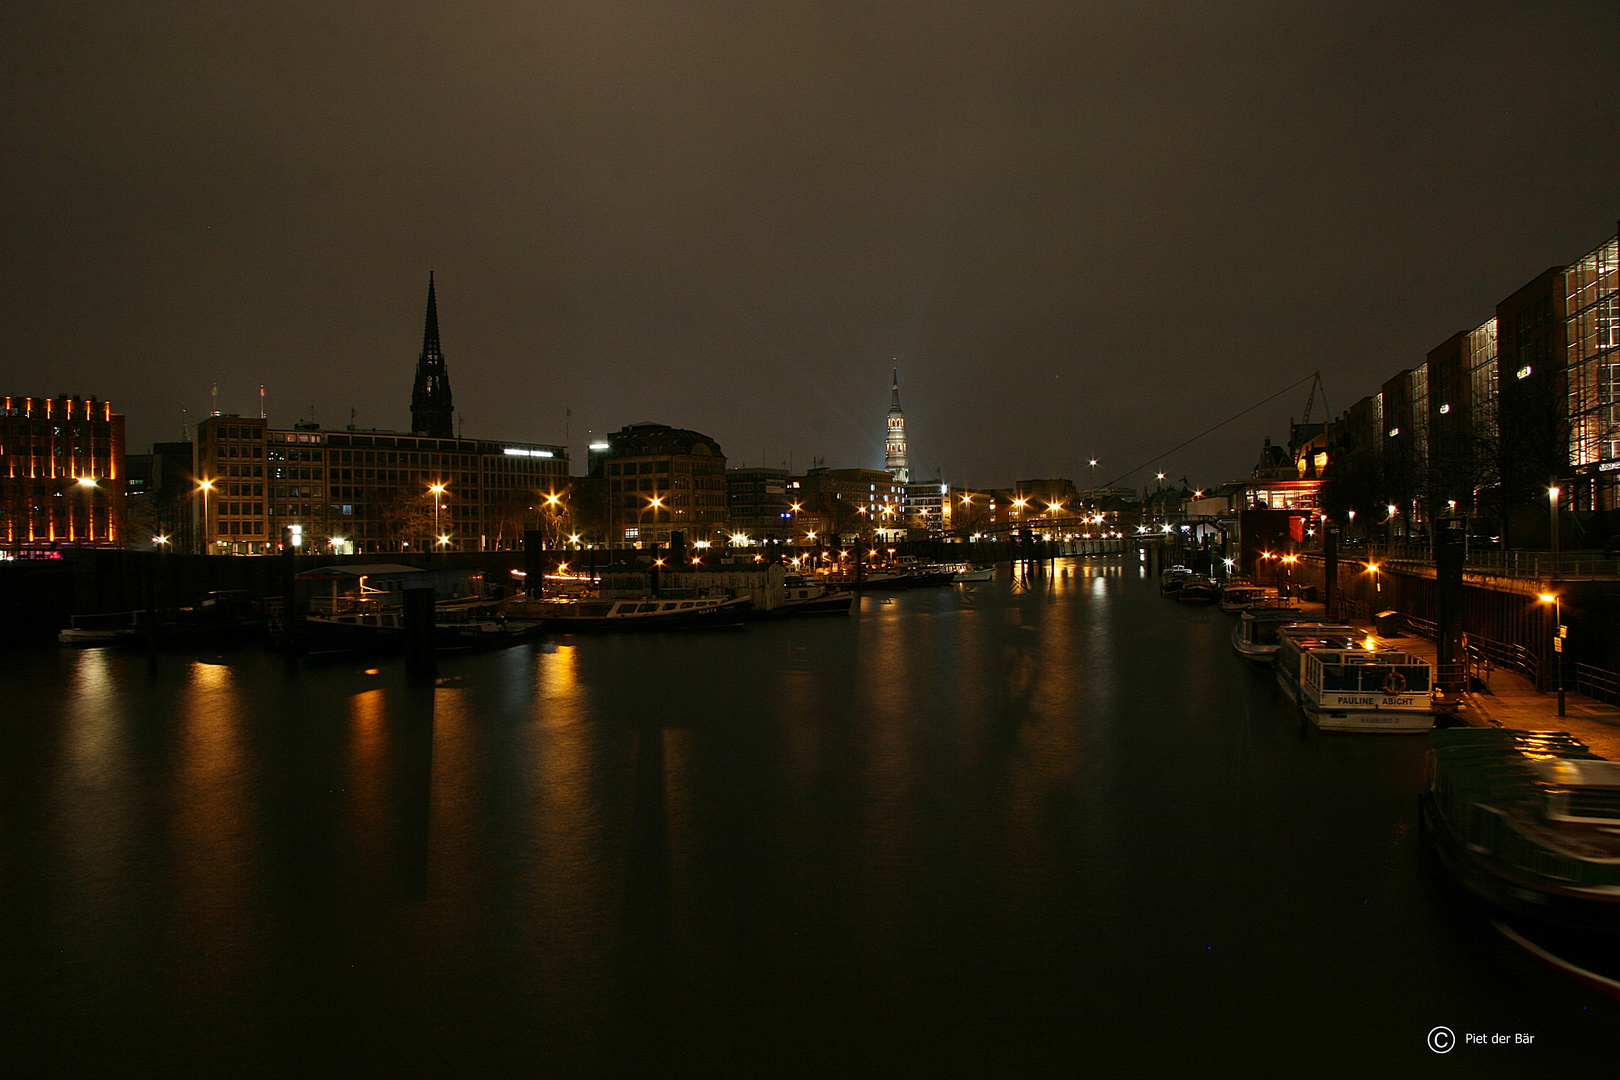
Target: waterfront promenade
x,y
1512,701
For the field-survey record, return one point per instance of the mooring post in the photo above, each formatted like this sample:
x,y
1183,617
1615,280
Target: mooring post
x,y
419,629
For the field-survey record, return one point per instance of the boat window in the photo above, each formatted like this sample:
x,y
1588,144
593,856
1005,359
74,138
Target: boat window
x,y
647,608
667,607
685,604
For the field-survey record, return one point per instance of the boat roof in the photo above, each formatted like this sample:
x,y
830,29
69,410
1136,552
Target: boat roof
x,y
1334,655
361,570
1319,636
1565,772
1286,616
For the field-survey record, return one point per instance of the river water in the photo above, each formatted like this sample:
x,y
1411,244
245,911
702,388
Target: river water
x,y
1011,829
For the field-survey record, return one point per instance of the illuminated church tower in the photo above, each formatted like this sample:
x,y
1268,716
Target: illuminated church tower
x,y
431,411
896,463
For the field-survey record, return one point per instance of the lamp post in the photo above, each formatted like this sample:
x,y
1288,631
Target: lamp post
x,y
654,503
205,486
1552,510
438,492
1092,494
1560,635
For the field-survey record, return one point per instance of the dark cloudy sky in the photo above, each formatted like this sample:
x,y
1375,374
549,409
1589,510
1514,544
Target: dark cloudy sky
x,y
1077,228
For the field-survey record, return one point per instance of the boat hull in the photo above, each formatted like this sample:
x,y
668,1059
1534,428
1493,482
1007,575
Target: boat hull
x,y
1517,895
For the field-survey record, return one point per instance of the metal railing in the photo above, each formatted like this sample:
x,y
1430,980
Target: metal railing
x,y
1514,563
1482,649
1599,683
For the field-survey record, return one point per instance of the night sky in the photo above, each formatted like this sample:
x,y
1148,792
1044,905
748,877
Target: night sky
x,y
1076,229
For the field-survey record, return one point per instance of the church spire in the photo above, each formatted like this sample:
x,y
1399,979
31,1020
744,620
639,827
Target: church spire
x,y
431,411
896,461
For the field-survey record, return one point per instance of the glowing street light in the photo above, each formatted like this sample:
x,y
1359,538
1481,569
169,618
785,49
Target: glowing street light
x,y
1560,634
438,493
205,486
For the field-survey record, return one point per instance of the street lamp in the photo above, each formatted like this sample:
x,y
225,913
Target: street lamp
x,y
1552,510
1560,634
438,492
205,486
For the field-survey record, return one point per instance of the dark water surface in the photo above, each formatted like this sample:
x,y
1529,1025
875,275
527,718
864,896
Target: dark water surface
x,y
970,831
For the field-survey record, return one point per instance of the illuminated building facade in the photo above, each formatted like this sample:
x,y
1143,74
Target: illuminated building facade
x,y
655,480
1592,364
61,474
896,462
856,502
928,508
369,491
759,505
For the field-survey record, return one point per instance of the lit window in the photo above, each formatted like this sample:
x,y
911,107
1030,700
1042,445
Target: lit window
x,y
1394,431
1524,372
1444,409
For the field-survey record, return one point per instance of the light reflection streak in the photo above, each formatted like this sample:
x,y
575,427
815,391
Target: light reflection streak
x,y
214,868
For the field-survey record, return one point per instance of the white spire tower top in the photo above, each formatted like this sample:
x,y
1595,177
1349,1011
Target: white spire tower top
x,y
895,438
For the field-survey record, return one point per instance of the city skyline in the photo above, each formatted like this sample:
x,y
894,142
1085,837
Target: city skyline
x,y
1078,233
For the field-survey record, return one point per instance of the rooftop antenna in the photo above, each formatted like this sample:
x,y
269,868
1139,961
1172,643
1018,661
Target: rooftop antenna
x,y
351,417
261,401
185,430
213,401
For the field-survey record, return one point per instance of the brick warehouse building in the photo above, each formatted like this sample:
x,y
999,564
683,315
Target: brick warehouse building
x,y
61,475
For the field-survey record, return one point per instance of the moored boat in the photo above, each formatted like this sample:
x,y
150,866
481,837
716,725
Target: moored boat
x,y
1171,581
1241,596
1527,822
645,613
1339,685
975,573
1255,635
802,596
1198,589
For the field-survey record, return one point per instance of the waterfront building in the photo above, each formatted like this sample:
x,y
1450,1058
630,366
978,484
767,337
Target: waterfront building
x,y
856,502
1592,341
928,509
158,498
369,491
651,480
374,490
897,463
62,475
759,506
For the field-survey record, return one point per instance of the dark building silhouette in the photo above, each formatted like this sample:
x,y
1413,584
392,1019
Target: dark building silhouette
x,y
432,413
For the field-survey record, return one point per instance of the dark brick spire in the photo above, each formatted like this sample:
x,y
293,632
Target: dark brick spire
x,y
431,411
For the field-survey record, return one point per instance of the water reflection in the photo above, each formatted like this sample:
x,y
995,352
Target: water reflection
x,y
213,860
963,830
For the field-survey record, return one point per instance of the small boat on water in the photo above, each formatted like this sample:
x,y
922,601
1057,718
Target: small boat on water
x,y
1198,589
1339,685
975,573
89,631
1255,635
1241,596
802,596
382,629
1171,581
569,616
1527,822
